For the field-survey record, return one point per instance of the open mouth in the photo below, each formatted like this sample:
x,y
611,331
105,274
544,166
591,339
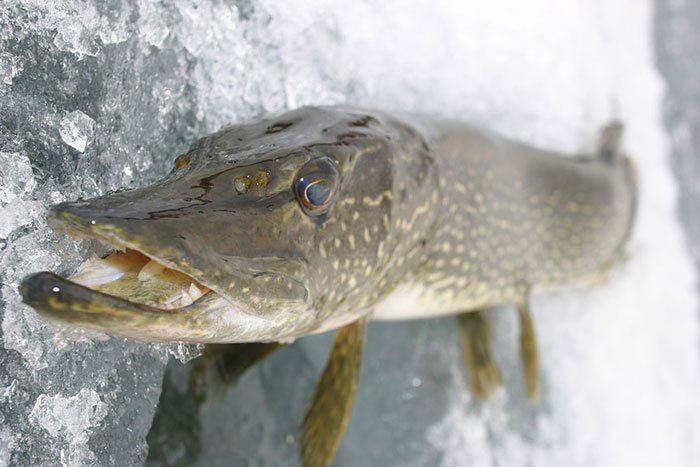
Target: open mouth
x,y
127,293
127,272
135,277
139,294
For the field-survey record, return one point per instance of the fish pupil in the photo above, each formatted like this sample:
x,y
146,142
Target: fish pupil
x,y
316,185
318,192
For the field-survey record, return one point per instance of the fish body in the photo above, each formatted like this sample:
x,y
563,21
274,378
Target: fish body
x,y
507,218
324,217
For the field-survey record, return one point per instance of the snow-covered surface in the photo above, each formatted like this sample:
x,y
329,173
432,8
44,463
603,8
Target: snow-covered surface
x,y
99,95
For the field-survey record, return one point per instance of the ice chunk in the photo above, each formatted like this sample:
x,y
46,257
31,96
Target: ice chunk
x,y
8,440
17,214
10,67
74,36
185,352
16,176
72,418
153,27
76,129
16,182
48,57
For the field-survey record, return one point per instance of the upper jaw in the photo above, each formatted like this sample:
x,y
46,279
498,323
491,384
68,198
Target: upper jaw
x,y
134,271
201,315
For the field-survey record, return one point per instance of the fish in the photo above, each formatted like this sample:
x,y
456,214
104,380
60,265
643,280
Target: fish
x,y
324,218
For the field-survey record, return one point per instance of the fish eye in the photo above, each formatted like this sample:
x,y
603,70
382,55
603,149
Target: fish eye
x,y
317,185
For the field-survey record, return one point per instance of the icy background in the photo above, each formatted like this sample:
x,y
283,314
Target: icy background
x,y
96,97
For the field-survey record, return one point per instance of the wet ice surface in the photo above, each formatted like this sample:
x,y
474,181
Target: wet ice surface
x,y
93,98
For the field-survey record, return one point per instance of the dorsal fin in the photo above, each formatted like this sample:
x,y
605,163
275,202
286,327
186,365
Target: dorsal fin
x,y
610,139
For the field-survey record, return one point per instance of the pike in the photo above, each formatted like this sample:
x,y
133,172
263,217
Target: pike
x,y
326,217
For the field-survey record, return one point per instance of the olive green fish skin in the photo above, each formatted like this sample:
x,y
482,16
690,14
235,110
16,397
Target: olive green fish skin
x,y
296,274
512,218
431,217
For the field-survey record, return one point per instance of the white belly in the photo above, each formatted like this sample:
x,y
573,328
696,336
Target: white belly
x,y
415,302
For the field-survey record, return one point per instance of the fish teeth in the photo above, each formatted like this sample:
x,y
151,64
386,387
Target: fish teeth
x,y
176,301
194,292
183,298
96,271
150,269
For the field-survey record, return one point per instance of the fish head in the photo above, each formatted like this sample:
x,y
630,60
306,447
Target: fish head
x,y
264,231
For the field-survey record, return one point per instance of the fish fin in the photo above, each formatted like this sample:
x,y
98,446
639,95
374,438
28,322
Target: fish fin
x,y
221,365
610,140
484,376
326,416
528,354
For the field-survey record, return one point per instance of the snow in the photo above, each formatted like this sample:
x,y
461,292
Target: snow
x,y
95,96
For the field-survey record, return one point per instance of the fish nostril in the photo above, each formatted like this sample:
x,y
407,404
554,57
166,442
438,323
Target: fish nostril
x,y
251,181
182,161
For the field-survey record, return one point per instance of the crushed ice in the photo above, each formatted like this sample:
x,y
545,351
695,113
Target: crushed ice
x,y
71,419
76,129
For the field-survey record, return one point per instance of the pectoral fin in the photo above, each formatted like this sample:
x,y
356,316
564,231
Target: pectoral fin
x,y
528,354
324,423
484,376
221,365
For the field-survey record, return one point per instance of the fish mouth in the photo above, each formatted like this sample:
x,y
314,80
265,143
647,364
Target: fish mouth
x,y
132,294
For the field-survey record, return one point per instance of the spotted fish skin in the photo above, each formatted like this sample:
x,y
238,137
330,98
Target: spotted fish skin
x,y
428,217
510,218
324,217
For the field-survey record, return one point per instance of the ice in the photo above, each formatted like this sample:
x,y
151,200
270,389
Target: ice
x,y
10,67
102,95
17,214
7,440
76,129
16,177
16,182
71,419
74,37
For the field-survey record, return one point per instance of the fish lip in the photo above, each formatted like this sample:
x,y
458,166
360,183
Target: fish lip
x,y
62,301
52,295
